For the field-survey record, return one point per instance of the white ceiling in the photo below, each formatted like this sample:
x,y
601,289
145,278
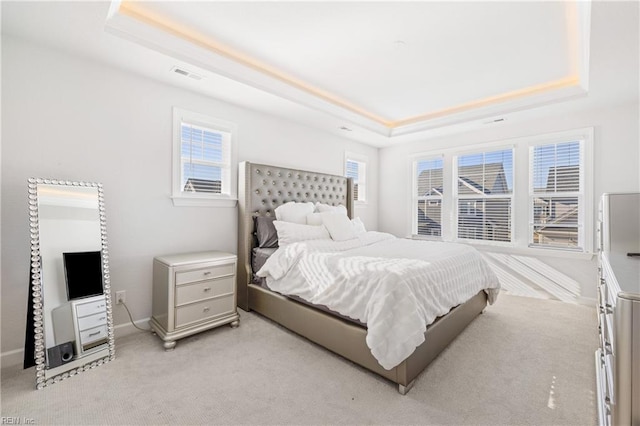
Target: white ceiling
x,y
391,72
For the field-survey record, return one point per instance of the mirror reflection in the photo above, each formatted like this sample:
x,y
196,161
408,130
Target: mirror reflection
x,y
75,310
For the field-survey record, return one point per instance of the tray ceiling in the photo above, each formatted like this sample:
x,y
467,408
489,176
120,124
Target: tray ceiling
x,y
377,72
391,67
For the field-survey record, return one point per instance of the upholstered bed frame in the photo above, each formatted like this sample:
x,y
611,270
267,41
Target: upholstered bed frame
x,y
262,188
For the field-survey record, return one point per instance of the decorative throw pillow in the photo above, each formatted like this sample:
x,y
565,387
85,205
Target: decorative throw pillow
x,y
289,232
314,219
266,233
294,212
322,208
358,226
339,226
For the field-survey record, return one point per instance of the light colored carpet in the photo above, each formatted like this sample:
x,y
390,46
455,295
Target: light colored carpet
x,y
524,361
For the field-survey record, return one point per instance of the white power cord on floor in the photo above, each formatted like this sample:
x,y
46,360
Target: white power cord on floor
x,y
131,318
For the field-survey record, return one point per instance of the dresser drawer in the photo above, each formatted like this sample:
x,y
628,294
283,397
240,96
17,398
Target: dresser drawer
x,y
205,273
93,334
204,290
608,379
90,308
92,321
207,309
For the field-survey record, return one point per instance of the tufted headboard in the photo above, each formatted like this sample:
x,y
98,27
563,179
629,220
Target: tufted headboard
x,y
262,188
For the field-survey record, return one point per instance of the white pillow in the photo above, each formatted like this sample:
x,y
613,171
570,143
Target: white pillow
x,y
314,219
321,208
358,226
294,212
289,232
339,226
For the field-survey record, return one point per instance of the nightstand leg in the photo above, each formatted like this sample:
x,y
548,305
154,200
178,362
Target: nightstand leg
x,y
169,345
235,324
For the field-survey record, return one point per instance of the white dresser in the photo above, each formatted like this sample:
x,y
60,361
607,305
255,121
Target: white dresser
x,y
618,355
83,321
193,292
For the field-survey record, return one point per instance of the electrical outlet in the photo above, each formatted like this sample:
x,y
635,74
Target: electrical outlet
x,y
121,297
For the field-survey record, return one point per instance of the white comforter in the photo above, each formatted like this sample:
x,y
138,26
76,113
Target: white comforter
x,y
396,286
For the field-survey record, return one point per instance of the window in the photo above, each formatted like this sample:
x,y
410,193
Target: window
x,y
428,190
556,194
530,194
484,195
356,168
203,159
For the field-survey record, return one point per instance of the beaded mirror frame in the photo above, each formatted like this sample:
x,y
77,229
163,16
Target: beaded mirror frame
x,y
36,286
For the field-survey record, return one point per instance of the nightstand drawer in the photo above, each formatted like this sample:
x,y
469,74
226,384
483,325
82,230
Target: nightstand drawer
x,y
205,273
91,308
92,321
204,290
206,309
93,334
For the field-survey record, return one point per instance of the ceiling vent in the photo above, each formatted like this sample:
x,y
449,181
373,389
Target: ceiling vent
x,y
186,73
494,120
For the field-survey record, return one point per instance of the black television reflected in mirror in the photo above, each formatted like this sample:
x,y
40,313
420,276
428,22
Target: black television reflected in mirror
x,y
83,274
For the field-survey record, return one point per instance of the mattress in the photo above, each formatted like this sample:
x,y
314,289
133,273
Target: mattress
x,y
396,286
258,259
259,256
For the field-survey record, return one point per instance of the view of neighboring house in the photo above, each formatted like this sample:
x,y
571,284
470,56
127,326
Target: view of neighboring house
x,y
203,185
478,218
556,217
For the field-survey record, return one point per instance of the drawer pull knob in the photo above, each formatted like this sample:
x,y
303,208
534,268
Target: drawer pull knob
x,y
207,273
206,289
94,334
206,309
102,318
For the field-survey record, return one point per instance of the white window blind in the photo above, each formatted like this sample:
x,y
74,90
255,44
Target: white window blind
x,y
484,195
357,170
205,159
428,183
556,194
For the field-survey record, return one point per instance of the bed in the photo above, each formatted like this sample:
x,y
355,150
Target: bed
x,y
262,188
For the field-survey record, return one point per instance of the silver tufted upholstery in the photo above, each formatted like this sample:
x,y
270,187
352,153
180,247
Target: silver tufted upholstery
x,y
262,188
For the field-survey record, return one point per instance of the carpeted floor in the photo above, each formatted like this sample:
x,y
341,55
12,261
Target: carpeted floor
x,y
524,361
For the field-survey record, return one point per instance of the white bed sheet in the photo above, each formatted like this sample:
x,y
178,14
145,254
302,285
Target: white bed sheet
x,y
396,286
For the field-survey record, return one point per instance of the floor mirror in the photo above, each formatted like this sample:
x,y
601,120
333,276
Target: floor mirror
x,y
70,284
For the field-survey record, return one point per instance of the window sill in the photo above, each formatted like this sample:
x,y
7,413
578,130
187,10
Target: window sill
x,y
532,251
512,249
204,202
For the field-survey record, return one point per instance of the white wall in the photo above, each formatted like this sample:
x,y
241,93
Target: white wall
x,y
616,152
65,117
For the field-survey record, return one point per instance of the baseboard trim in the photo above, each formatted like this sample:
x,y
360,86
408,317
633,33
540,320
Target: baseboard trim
x,y
11,359
127,328
14,358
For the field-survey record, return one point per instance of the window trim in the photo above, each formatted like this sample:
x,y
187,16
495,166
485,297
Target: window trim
x,y
585,196
456,196
360,158
179,197
416,198
520,207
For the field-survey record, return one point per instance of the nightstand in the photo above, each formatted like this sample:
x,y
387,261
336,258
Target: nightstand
x,y
193,292
83,322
